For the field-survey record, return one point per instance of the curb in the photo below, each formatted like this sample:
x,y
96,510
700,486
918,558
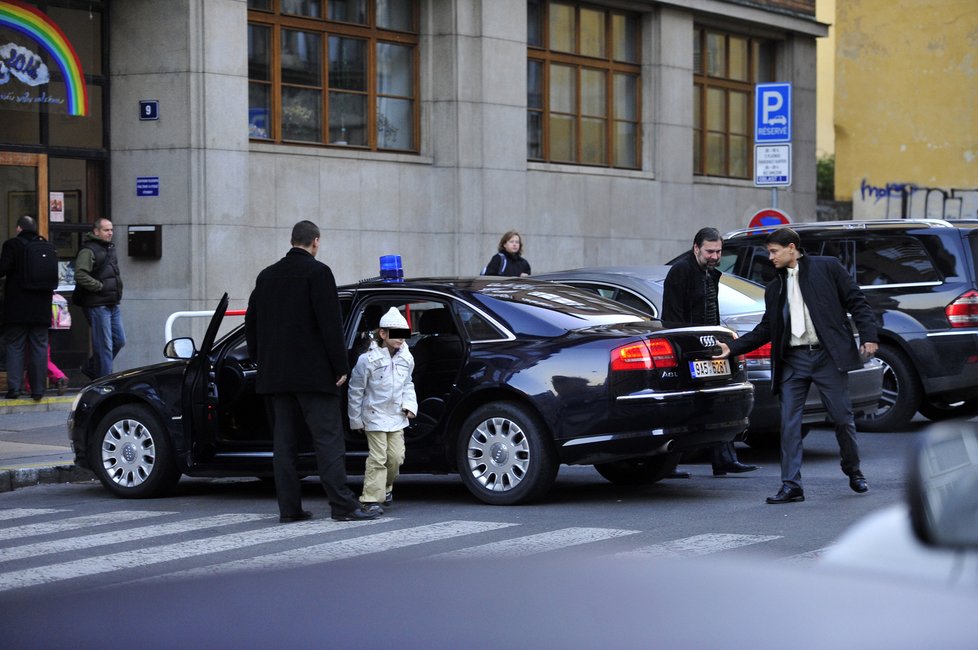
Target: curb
x,y
12,479
28,405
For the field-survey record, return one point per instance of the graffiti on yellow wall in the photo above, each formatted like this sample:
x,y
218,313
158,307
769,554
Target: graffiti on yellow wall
x,y
912,201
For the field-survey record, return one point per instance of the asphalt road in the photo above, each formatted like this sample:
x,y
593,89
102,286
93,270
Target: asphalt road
x,y
77,537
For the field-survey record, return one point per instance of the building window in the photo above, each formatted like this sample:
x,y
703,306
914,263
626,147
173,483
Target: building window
x,y
725,69
336,72
583,82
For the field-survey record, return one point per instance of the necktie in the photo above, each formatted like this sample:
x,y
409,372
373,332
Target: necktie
x,y
796,305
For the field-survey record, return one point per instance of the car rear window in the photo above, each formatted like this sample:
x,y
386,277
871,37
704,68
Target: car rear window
x,y
535,306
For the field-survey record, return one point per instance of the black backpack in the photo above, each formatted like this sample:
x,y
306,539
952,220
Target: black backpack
x,y
40,265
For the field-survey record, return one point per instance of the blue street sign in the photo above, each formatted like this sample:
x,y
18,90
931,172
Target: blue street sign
x,y
147,186
772,114
149,109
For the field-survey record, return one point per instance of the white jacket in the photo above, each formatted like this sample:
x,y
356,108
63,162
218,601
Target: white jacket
x,y
381,390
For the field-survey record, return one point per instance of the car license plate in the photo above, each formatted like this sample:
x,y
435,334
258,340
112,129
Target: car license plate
x,y
709,368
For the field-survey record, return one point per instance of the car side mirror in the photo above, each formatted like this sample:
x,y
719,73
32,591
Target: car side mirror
x,y
943,486
182,348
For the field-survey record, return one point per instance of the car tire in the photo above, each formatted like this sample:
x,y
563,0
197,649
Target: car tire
x,y
937,410
132,455
504,456
639,471
901,394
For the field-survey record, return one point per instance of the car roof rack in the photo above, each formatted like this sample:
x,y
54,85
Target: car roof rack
x,y
855,225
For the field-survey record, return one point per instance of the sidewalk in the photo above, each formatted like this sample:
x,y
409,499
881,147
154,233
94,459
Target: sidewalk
x,y
34,446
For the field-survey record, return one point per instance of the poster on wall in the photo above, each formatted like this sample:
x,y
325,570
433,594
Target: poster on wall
x,y
56,207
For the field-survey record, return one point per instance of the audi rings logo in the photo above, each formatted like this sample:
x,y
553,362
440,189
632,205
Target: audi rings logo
x,y
708,341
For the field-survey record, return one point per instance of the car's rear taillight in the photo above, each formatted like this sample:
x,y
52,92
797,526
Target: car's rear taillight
x,y
663,354
963,312
644,355
759,357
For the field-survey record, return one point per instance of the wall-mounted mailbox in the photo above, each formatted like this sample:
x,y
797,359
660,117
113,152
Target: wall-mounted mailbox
x,y
146,241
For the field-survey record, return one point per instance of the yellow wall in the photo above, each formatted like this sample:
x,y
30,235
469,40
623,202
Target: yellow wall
x,y
906,95
825,76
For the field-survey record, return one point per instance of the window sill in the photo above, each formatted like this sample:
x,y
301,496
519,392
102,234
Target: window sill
x,y
562,168
721,180
319,151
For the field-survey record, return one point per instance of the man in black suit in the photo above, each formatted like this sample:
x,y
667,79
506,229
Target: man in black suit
x,y
806,322
690,297
294,331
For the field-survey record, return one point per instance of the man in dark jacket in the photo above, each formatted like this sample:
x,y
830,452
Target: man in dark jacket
x,y
806,322
98,291
26,316
690,297
294,331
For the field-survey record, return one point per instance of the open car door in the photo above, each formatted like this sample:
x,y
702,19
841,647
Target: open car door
x,y
200,392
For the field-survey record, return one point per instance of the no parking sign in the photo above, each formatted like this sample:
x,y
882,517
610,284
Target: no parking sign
x,y
769,218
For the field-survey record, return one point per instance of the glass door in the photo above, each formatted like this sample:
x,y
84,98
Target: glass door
x,y
23,191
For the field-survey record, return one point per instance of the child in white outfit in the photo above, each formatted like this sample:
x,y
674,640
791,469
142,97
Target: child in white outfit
x,y
381,400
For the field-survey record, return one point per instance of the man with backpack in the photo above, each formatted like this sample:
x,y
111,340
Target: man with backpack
x,y
98,290
30,264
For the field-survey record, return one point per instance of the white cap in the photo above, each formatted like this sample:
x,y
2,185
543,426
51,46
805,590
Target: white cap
x,y
393,320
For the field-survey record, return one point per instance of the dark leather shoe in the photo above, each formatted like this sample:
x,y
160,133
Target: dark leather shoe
x,y
858,482
61,385
734,467
299,516
677,474
356,515
787,495
11,394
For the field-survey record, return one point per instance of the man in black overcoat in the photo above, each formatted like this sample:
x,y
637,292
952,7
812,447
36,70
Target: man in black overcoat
x,y
690,296
294,330
806,321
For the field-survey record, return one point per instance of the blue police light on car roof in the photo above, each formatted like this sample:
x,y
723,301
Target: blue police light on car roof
x,y
391,269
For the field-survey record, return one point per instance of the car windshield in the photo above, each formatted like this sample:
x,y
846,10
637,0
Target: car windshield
x,y
561,306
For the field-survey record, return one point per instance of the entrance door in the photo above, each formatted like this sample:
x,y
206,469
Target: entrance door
x,y
23,191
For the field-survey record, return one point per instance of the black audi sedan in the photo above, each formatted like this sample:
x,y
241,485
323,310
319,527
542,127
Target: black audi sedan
x,y
514,378
741,308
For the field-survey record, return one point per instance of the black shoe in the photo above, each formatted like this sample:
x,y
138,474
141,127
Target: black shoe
x,y
88,372
858,482
787,495
37,398
733,467
371,507
388,500
677,474
11,394
299,516
356,515
61,385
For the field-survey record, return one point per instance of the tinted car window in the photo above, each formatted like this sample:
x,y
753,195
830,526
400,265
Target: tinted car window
x,y
477,327
893,260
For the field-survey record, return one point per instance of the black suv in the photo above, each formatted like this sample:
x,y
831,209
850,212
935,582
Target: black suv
x,y
919,277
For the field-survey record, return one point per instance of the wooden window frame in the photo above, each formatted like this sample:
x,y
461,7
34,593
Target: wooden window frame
x,y
704,82
607,64
276,21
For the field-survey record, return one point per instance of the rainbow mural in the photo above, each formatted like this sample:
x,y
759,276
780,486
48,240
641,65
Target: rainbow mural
x,y
38,27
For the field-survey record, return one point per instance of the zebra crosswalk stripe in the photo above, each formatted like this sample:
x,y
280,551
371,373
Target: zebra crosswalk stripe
x,y
18,513
74,523
168,552
697,545
348,548
120,536
539,543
